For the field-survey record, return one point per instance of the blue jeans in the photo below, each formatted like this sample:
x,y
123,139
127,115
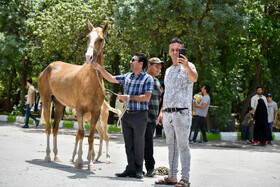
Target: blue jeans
x,y
271,126
28,114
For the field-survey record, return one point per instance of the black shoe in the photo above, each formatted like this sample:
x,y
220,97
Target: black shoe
x,y
151,173
25,126
125,174
37,123
203,141
139,175
192,141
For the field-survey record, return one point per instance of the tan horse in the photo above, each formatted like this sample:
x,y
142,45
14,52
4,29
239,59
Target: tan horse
x,y
102,129
77,87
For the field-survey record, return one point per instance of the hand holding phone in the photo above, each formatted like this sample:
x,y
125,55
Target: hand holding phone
x,y
183,52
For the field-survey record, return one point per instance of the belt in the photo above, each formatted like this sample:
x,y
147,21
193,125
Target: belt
x,y
173,109
133,111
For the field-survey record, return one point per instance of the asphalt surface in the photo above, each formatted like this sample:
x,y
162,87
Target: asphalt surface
x,y
215,163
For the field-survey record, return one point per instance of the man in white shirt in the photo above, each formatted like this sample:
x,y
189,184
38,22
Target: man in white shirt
x,y
255,98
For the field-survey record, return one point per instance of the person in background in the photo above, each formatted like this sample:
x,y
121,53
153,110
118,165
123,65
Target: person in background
x,y
159,127
196,100
255,98
201,113
262,132
272,112
30,101
245,125
154,69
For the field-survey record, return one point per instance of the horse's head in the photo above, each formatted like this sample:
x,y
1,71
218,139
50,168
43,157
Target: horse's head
x,y
95,41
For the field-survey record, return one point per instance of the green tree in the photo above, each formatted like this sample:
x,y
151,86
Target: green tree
x,y
200,24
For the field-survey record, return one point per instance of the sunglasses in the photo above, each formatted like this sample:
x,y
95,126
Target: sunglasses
x,y
133,59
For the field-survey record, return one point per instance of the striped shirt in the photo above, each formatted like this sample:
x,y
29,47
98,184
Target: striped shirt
x,y
154,103
136,85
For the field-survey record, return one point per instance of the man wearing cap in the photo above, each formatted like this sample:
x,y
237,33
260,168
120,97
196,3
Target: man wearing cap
x,y
138,88
29,102
272,112
176,113
154,69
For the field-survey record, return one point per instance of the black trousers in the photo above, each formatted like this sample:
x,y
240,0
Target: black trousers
x,y
200,124
134,128
149,147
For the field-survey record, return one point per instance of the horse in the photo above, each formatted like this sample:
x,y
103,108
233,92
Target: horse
x,y
102,129
75,86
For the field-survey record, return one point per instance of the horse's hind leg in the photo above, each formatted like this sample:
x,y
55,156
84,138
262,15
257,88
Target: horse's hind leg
x,y
46,103
75,148
101,135
106,137
59,108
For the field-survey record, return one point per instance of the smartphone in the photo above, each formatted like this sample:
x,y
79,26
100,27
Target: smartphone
x,y
182,51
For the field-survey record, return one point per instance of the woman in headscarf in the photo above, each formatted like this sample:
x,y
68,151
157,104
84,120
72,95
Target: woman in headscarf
x,y
261,130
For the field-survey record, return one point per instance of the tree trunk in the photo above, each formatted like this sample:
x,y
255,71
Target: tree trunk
x,y
115,88
23,77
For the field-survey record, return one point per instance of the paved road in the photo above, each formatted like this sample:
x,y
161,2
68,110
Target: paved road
x,y
217,164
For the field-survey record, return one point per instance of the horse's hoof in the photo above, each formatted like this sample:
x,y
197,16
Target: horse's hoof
x,y
47,159
108,161
71,160
56,159
90,167
79,165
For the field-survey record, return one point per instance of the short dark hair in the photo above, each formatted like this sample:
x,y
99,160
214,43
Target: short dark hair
x,y
207,88
29,80
142,58
176,40
198,90
258,87
249,109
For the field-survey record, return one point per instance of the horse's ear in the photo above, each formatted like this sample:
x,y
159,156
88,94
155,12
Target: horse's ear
x,y
90,26
106,26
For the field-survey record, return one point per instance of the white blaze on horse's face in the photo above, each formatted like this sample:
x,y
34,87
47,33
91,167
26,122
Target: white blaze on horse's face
x,y
93,36
96,41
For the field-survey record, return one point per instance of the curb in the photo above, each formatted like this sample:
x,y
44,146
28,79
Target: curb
x,y
62,123
222,136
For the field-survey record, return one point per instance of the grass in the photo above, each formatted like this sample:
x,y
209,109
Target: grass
x,y
68,124
11,118
114,128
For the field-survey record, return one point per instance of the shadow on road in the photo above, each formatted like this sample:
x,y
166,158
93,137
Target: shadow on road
x,y
78,174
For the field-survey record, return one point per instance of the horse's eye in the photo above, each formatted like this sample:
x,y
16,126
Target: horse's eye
x,y
87,37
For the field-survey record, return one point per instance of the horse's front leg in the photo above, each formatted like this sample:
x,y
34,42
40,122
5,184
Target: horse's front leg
x,y
80,136
91,154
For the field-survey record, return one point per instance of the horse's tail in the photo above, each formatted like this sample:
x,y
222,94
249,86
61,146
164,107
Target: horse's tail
x,y
115,110
42,115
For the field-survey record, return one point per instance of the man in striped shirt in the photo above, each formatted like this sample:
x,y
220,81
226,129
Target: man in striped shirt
x,y
138,88
154,69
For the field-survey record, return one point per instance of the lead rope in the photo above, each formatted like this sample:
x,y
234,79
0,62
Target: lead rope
x,y
127,99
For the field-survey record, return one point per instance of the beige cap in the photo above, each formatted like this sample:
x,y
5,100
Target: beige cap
x,y
155,60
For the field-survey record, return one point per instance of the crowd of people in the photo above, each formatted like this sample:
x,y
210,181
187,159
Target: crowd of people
x,y
257,126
